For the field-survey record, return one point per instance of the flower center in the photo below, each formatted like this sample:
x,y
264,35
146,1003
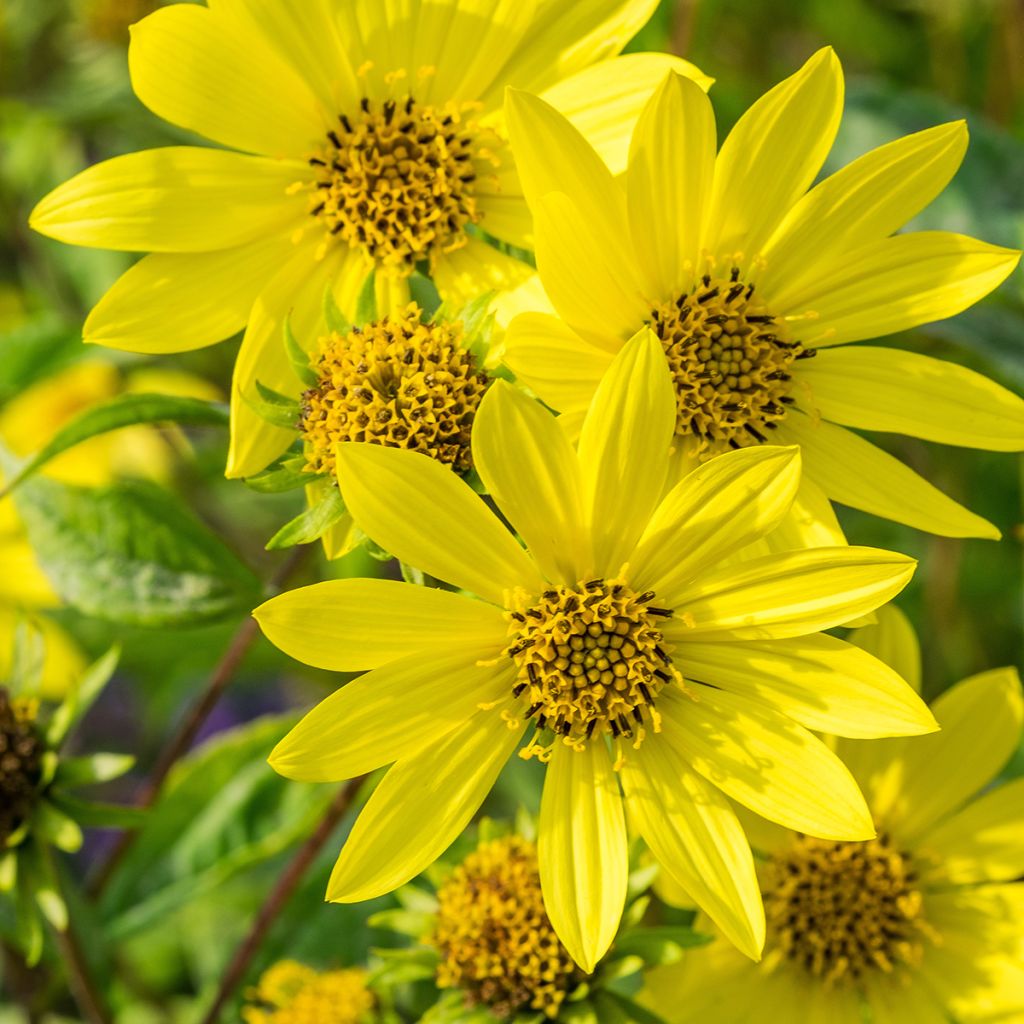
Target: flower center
x,y
396,179
396,382
21,754
841,910
591,660
292,993
494,936
730,357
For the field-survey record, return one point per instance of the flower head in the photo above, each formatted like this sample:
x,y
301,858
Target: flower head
x,y
754,283
624,643
362,138
292,993
922,923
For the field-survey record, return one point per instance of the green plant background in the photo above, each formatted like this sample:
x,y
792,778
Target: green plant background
x,y
227,824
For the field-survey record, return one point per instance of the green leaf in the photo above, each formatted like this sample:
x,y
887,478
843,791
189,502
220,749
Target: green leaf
x,y
91,768
131,553
310,526
96,814
298,356
335,319
82,696
285,475
366,304
123,411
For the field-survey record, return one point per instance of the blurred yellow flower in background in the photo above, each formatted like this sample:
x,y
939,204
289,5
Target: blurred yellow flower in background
x,y
380,145
623,639
292,993
745,275
920,925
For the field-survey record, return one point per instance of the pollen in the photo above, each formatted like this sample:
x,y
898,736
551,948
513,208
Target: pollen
x,y
731,359
21,754
396,382
396,179
843,910
591,661
494,937
292,993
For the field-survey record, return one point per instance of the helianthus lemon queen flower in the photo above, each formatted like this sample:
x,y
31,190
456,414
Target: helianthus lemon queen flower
x,y
363,135
745,275
923,924
292,993
616,638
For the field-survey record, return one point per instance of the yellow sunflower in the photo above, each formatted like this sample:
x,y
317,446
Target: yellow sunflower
x,y
618,639
361,135
921,925
745,275
292,993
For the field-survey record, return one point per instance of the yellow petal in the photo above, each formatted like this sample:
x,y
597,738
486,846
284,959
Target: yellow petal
x,y
171,302
894,284
391,713
353,624
564,38
867,200
893,1003
23,582
605,100
531,471
822,683
855,472
981,843
587,277
765,761
981,719
811,522
581,848
421,512
475,268
773,154
720,507
554,361
200,70
671,172
177,199
624,447
420,807
783,595
63,661
893,640
886,389
295,293
691,829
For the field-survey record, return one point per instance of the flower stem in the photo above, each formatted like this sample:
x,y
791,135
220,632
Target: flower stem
x,y
278,898
182,739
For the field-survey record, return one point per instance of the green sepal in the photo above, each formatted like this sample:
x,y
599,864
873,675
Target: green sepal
x,y
412,897
577,1013
48,765
54,909
400,966
333,316
96,814
82,771
423,292
372,548
640,879
81,698
286,474
298,356
620,966
8,870
275,408
613,1008
51,823
472,478
29,925
413,923
413,575
634,912
366,304
312,524
664,944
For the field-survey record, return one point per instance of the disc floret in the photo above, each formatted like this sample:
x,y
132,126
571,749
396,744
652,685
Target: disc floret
x,y
292,993
397,382
21,755
591,660
494,937
841,910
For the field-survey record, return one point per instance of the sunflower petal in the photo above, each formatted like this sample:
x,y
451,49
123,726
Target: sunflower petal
x,y
786,595
712,512
390,713
202,71
855,472
892,639
475,268
693,832
582,850
773,154
420,807
421,512
887,389
352,625
767,762
624,449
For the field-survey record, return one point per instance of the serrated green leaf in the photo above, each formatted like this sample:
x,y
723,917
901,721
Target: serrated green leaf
x,y
131,553
310,526
298,356
333,316
122,411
